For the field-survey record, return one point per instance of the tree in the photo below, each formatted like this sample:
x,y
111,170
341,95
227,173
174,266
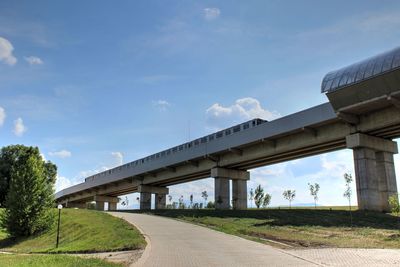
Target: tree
x,y
191,201
258,196
394,204
266,200
251,197
125,202
205,196
170,198
8,157
314,192
30,194
348,192
289,195
210,205
181,204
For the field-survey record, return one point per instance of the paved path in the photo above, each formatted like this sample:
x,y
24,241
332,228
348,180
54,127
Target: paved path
x,y
175,243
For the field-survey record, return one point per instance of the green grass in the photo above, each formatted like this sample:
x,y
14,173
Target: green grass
x,y
51,260
80,231
323,227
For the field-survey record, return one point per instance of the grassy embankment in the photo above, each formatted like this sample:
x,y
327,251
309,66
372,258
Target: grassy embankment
x,y
80,231
300,227
51,260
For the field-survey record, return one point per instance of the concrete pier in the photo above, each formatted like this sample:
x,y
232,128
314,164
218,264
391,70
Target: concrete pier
x,y
160,201
222,189
112,206
222,193
145,196
374,170
239,194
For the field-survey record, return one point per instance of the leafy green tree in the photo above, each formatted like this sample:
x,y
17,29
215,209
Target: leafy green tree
x,y
266,200
314,189
289,195
258,196
8,157
30,195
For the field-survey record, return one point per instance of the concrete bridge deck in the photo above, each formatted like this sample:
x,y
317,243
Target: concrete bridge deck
x,y
363,114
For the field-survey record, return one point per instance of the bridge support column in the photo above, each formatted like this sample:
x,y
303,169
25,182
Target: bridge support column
x,y
112,205
222,190
161,201
145,196
99,205
374,170
79,205
239,194
100,200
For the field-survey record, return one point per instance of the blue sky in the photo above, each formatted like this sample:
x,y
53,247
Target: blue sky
x,y
97,83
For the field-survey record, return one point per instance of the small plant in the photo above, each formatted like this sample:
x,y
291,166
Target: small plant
x,y
266,200
348,192
210,205
314,188
125,202
289,195
191,201
181,204
394,204
259,195
205,196
251,197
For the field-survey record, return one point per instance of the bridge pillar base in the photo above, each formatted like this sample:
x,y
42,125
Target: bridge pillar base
x,y
387,177
112,205
79,205
145,201
99,205
374,170
161,201
222,189
222,193
239,194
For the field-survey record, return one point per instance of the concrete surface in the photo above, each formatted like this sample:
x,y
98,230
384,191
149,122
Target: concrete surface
x,y
176,243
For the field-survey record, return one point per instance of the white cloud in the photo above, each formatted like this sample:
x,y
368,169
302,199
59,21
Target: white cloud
x,y
19,127
61,154
243,109
118,158
162,105
211,13
62,183
2,116
6,49
32,60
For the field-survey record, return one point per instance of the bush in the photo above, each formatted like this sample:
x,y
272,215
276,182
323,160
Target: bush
x,y
394,204
30,193
210,205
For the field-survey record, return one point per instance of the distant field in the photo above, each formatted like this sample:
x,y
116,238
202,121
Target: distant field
x,y
300,227
51,260
81,231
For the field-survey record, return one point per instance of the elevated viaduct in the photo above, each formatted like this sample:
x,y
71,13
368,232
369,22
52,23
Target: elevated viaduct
x,y
363,114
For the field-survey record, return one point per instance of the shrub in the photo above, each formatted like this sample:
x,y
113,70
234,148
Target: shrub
x,y
30,194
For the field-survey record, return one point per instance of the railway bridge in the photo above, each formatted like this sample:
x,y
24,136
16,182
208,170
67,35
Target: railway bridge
x,y
363,114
